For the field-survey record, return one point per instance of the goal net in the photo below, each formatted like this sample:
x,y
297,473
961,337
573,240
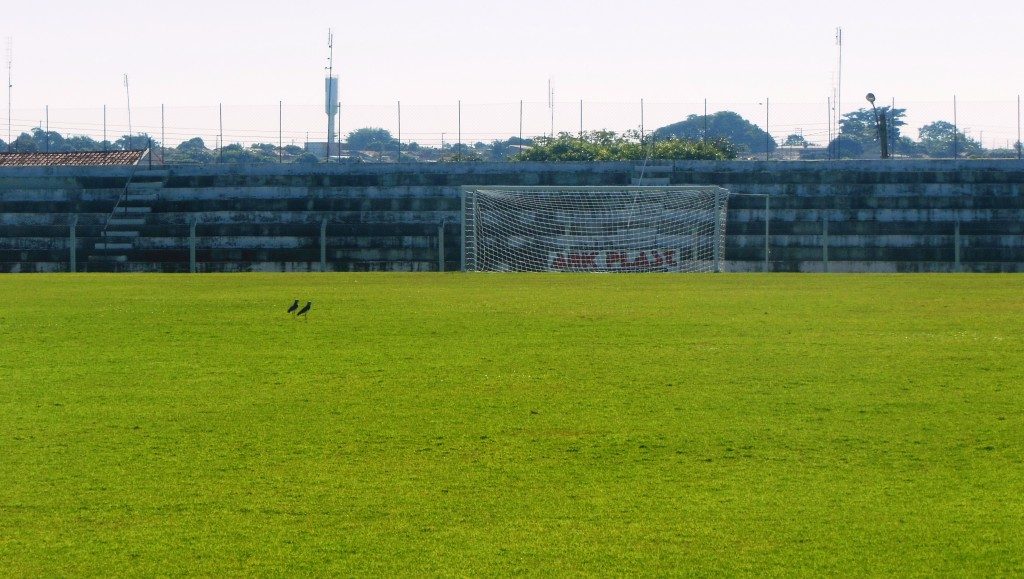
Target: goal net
x,y
593,229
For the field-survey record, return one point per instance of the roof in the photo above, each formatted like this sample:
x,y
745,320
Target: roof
x,y
90,158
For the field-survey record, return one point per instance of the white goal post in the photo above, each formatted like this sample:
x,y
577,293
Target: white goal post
x,y
593,229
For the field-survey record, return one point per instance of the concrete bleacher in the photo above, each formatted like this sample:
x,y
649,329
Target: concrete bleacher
x,y
895,216
38,206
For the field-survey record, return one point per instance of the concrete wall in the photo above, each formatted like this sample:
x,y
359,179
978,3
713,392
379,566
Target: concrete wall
x,y
882,216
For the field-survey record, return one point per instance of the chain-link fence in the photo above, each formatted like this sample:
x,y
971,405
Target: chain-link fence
x,y
761,128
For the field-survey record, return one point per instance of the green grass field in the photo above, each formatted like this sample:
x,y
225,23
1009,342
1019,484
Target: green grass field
x,y
499,424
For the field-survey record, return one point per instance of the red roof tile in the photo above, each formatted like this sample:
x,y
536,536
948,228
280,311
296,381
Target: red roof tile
x,y
70,159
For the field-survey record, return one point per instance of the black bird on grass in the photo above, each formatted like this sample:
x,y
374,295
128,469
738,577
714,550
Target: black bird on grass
x,y
305,309
294,306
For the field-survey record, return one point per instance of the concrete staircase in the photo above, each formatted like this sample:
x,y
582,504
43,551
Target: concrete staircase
x,y
123,226
651,175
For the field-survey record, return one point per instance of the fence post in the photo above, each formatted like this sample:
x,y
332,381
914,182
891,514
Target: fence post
x,y
220,134
704,135
767,221
581,120
956,129
956,246
323,244
824,242
72,241
192,246
520,145
440,246
641,122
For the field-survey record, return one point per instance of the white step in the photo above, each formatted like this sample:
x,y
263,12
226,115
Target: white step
x,y
161,173
119,258
653,169
119,234
126,221
114,246
661,181
131,209
133,186
141,197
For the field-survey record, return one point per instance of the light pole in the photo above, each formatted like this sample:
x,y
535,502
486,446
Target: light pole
x,y
880,122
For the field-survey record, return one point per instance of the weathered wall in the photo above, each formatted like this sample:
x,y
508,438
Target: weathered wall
x,y
882,216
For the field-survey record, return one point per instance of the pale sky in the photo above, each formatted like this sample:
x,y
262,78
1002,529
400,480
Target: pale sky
x,y
70,53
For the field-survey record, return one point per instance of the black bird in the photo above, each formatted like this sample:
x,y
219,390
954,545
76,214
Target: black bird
x,y
305,309
295,306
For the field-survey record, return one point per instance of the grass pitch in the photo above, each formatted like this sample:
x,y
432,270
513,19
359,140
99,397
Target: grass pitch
x,y
499,424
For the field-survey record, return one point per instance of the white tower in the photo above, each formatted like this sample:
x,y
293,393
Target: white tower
x,y
331,96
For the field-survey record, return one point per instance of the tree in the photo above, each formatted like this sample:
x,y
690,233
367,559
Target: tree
x,y
727,125
795,140
501,150
235,153
48,141
609,146
307,159
941,139
1001,153
371,139
858,133
265,148
136,142
24,144
83,143
192,151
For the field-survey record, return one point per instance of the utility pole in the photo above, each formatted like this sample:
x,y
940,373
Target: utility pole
x,y
551,106
10,85
704,135
128,97
767,130
839,94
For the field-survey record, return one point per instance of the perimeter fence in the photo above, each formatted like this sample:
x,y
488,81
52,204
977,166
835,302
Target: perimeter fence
x,y
416,131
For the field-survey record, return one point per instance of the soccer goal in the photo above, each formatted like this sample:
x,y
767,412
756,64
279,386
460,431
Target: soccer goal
x,y
593,229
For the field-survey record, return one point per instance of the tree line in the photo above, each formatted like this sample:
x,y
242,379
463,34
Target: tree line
x,y
719,136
